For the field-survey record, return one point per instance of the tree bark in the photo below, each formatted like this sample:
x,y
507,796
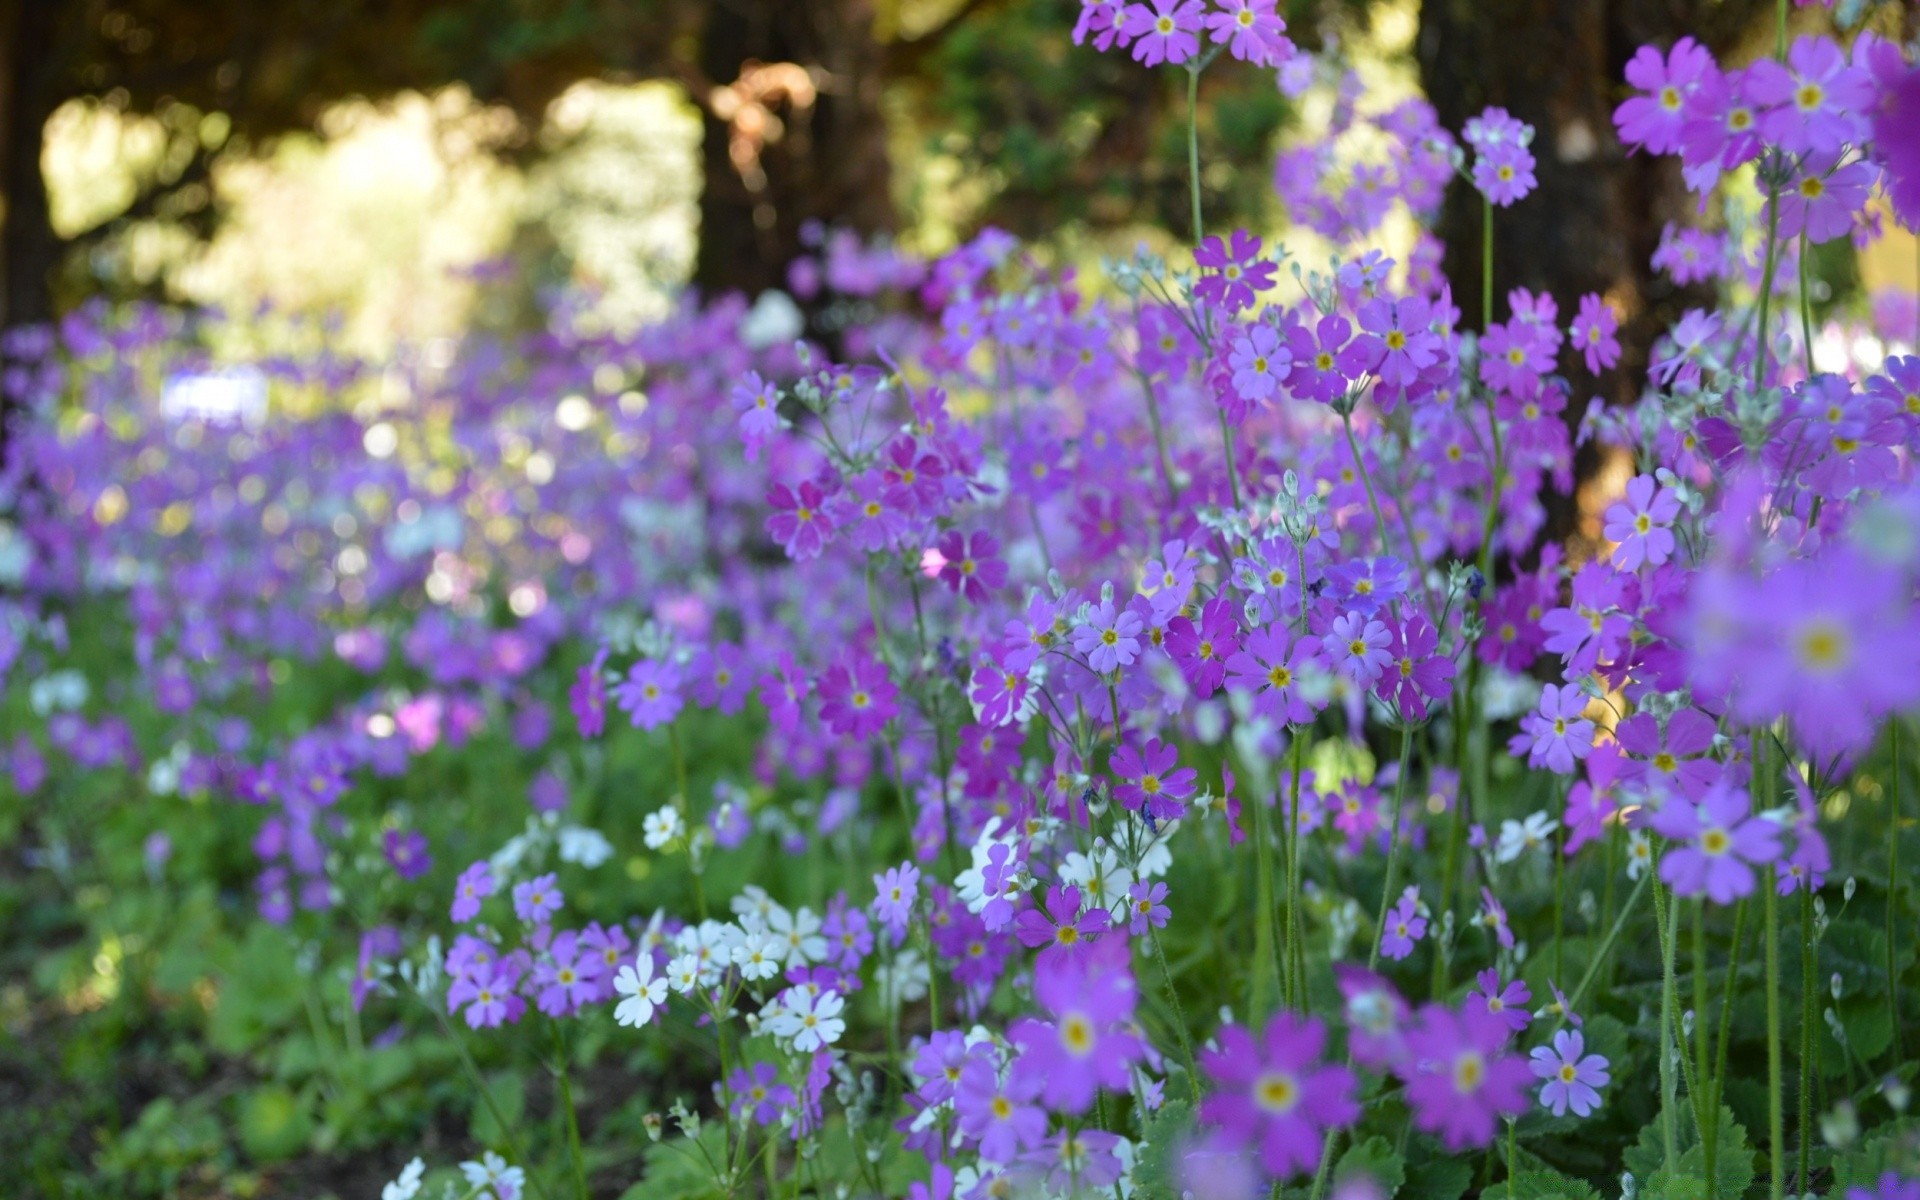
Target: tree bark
x,y
829,163
1596,218
29,248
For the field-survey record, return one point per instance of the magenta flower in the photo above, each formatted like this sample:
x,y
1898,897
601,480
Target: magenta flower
x,y
1321,370
1593,333
1367,585
1418,674
971,564
1404,926
1000,694
800,522
1275,1093
1230,277
1201,648
1893,124
1642,524
406,853
1817,103
1590,802
1506,1004
1061,929
1109,638
1269,665
1504,175
1086,1046
1167,30
857,697
1251,30
1717,843
1573,1077
489,996
1653,121
1148,777
475,884
1460,1080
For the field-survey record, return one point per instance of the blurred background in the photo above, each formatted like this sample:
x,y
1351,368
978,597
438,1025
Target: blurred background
x,y
412,168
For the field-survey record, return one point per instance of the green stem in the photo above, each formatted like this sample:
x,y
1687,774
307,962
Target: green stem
x,y
1266,966
486,1097
1606,945
564,1075
1893,891
1806,305
1393,842
1559,893
1665,918
1179,1014
1726,1031
1193,150
1296,918
1806,1029
1701,1085
1776,1122
1486,264
684,801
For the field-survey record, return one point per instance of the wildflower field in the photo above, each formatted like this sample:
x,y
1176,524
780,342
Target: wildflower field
x,y
980,728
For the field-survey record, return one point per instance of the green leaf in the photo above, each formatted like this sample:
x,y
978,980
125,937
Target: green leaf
x,y
274,1123
1156,1172
1372,1159
1733,1165
1433,1173
677,1169
510,1094
1888,1148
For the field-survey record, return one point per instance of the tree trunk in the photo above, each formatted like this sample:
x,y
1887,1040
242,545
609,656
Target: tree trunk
x,y
828,163
1595,221
29,248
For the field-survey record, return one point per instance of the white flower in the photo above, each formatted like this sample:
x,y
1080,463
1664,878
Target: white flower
x,y
1639,853
1517,838
407,1186
492,1171
759,955
587,847
753,899
800,931
683,974
809,1022
662,826
644,991
904,980
1101,878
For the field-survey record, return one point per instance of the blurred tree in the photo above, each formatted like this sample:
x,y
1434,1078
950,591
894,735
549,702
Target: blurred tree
x,y
1596,219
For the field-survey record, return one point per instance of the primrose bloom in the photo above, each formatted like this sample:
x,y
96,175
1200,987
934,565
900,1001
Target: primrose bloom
x,y
1086,1046
1274,1093
1460,1080
1557,736
1573,1077
1642,524
1109,638
1718,843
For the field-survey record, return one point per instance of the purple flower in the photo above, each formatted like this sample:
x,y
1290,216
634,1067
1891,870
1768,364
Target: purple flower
x,y
1086,1046
1642,524
1110,639
1269,665
857,697
1357,648
650,694
1556,735
406,852
1061,928
1398,343
1148,776
998,1111
1258,362
1718,843
1201,648
1817,103
1653,122
1573,1076
475,884
1890,1187
1275,1093
1404,926
1168,30
1506,1004
1367,585
757,1091
1460,1080
896,890
1252,31
800,522
1504,174
537,899
1418,674
1145,907
970,564
1593,333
